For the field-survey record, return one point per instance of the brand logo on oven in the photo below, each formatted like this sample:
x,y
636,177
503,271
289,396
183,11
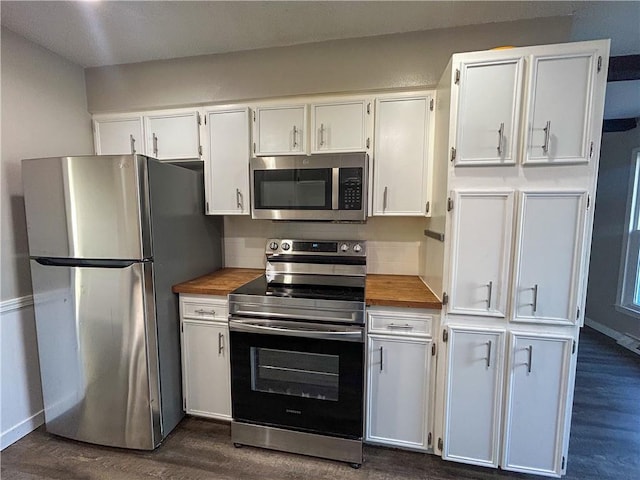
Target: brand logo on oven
x,y
296,412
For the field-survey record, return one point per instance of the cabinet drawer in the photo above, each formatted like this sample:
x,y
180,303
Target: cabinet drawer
x,y
205,310
398,324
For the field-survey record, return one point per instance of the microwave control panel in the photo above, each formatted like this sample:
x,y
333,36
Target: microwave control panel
x,y
350,197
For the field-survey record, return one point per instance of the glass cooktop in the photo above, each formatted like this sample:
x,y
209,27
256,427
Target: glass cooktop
x,y
260,287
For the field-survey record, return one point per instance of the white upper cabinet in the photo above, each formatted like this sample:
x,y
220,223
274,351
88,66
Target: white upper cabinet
x,y
481,252
537,409
118,135
280,130
488,112
549,256
402,170
340,126
560,102
227,162
473,396
173,135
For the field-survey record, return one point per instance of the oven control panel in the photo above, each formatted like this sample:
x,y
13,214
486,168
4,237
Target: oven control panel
x,y
351,248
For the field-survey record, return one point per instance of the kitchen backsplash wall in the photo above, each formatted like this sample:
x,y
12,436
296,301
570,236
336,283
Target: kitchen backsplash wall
x,y
393,243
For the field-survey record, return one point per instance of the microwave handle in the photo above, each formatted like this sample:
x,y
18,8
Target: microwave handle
x,y
335,190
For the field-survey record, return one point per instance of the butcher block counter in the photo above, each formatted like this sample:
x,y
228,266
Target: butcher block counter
x,y
381,290
221,282
400,291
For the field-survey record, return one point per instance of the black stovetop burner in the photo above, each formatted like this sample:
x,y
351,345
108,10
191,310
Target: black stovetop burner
x,y
260,287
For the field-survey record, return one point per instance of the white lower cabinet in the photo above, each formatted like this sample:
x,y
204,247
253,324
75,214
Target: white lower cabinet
x,y
399,379
205,356
473,395
537,406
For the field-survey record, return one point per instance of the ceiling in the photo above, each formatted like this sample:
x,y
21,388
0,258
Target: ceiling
x,y
98,33
113,32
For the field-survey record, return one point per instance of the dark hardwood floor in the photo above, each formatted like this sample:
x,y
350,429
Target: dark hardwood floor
x,y
605,443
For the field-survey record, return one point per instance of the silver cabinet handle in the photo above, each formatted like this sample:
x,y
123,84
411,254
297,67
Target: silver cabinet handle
x,y
155,144
381,358
547,134
535,298
295,136
395,325
322,134
202,311
133,144
530,349
490,285
238,198
488,353
220,343
500,135
384,199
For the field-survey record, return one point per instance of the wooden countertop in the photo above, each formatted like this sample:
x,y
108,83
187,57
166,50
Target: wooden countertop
x,y
221,282
382,290
400,291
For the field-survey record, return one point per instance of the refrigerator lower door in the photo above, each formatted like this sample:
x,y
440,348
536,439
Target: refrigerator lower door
x,y
98,353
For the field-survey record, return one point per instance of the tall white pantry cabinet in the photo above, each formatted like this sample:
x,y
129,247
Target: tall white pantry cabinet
x,y
519,131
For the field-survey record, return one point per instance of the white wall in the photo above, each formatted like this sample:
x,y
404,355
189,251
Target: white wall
x,y
608,232
44,113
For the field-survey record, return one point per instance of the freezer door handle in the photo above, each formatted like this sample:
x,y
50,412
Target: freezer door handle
x,y
76,262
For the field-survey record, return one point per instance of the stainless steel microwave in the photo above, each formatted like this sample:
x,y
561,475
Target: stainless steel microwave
x,y
318,187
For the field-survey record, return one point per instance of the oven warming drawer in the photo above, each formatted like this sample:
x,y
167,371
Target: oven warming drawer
x,y
341,449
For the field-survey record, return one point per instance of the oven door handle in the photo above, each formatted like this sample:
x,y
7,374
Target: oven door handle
x,y
322,332
324,318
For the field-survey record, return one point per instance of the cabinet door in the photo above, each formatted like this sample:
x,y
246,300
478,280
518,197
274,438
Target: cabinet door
x,y
560,101
489,97
473,396
398,383
340,127
280,130
118,136
537,405
549,256
401,156
227,162
481,252
206,370
173,136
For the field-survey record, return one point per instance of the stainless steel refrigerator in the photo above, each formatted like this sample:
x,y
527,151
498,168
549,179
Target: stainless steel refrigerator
x,y
108,237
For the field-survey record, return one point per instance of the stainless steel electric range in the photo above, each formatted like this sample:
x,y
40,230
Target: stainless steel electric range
x,y
297,351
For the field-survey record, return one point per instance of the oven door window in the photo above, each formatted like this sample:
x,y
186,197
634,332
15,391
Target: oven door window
x,y
300,383
301,374
293,189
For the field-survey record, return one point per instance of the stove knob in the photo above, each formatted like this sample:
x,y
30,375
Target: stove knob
x,y
273,245
357,248
286,246
344,247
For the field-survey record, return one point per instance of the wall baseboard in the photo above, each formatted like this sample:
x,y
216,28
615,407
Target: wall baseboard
x,y
16,303
624,340
18,431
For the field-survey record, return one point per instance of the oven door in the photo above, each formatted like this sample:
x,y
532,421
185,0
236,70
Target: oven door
x,y
297,375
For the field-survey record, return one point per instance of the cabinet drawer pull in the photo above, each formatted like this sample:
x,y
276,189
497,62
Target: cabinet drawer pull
x,y
547,134
535,298
530,349
490,286
322,134
384,199
489,354
500,137
238,198
155,145
295,137
395,325
202,311
220,343
133,144
381,358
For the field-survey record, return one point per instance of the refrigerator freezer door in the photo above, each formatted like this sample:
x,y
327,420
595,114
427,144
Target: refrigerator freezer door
x,y
98,353
87,207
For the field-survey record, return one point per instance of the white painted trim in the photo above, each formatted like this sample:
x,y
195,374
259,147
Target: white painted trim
x,y
609,332
16,303
23,428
